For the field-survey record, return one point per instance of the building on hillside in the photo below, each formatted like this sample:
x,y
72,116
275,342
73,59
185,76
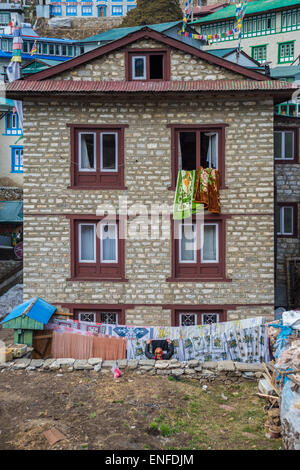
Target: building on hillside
x,y
170,29
119,122
10,12
85,9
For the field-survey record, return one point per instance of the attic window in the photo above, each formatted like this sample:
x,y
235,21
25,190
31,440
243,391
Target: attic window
x,y
148,65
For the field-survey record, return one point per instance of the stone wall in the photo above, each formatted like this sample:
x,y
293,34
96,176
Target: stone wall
x,y
248,199
10,193
183,66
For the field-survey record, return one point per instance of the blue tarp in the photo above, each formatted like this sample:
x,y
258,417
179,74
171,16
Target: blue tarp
x,y
39,310
11,212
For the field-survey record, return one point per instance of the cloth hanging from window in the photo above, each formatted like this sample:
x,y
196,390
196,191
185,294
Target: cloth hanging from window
x,y
207,189
85,160
184,205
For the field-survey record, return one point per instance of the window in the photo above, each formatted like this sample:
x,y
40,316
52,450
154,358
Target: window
x,y
199,250
117,10
71,11
12,124
97,156
286,52
259,53
16,159
55,10
4,44
152,64
191,316
286,219
4,19
290,20
197,146
286,144
97,314
97,249
86,11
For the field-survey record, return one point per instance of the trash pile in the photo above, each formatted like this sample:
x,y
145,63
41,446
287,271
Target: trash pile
x,y
281,383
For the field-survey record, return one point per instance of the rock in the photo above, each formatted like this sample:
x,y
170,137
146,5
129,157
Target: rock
x,y
189,371
94,361
132,364
36,363
226,365
6,365
147,362
161,365
109,364
21,363
163,371
177,371
82,364
175,365
122,363
249,375
30,368
47,363
207,373
193,363
210,365
146,368
97,367
247,367
54,366
198,369
65,361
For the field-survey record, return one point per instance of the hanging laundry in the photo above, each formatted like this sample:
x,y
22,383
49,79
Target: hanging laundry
x,y
184,205
207,189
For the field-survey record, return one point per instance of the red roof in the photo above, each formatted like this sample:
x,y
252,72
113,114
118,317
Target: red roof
x,y
207,9
32,87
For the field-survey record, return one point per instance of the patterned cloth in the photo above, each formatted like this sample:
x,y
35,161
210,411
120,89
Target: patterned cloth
x,y
207,190
184,205
241,340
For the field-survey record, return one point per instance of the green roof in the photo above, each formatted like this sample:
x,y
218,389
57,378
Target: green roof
x,y
259,6
118,33
221,52
288,71
38,66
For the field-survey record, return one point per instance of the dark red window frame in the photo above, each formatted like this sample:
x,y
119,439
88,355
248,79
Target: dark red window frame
x,y
199,309
295,131
96,179
98,309
294,205
96,271
200,271
147,52
176,128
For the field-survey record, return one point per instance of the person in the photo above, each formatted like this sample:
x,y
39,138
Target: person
x,y
155,349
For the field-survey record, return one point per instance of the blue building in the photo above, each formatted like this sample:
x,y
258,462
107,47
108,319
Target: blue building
x,y
85,8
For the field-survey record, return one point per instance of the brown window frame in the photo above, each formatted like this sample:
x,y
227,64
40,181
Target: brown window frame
x,y
219,128
200,271
98,309
96,179
199,310
295,131
294,206
146,53
96,270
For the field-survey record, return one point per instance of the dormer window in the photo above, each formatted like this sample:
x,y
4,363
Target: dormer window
x,y
152,64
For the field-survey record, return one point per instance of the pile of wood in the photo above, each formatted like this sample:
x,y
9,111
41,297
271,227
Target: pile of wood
x,y
271,393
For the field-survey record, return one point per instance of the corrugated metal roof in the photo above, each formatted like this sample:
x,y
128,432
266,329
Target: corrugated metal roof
x,y
252,7
11,212
118,33
288,71
87,86
36,308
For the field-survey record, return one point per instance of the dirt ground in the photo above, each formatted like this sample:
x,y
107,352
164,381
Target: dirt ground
x,y
134,412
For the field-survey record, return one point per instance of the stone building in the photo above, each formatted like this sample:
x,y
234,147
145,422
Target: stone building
x,y
118,122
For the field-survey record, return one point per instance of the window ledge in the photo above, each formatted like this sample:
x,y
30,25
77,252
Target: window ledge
x,y
200,279
95,188
93,279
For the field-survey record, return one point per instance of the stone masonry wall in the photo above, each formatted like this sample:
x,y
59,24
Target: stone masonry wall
x,y
249,199
183,66
287,179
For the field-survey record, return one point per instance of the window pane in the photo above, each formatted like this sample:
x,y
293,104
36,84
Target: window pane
x,y
109,147
288,220
187,244
289,145
188,319
87,242
187,151
87,316
109,243
109,317
209,150
209,251
87,151
156,66
139,67
277,144
209,318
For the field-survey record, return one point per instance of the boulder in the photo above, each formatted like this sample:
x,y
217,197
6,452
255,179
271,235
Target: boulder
x,y
36,363
177,371
247,367
94,361
21,363
226,365
65,361
82,364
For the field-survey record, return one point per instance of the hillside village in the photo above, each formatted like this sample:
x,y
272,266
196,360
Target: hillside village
x,y
149,225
